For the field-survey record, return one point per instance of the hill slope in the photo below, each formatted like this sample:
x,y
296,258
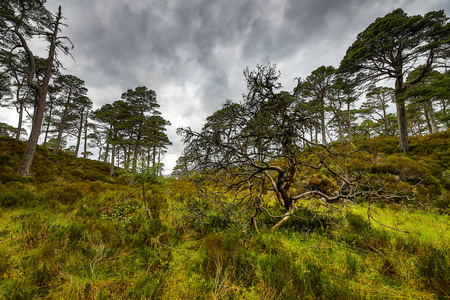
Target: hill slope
x,y
72,232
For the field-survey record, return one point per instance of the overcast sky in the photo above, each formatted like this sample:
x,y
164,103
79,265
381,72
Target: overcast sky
x,y
192,52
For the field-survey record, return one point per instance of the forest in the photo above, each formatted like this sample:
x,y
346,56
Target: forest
x,y
338,189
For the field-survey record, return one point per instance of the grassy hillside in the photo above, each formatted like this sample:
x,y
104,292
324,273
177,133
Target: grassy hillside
x,y
72,232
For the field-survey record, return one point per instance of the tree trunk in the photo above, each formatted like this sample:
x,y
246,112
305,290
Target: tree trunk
x,y
427,117
27,158
107,144
387,130
402,126
113,153
57,144
401,115
349,123
19,125
134,161
322,120
85,136
80,131
154,156
99,153
62,124
48,123
432,118
341,134
444,110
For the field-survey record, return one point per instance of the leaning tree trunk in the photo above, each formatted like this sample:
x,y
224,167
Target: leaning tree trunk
x,y
27,158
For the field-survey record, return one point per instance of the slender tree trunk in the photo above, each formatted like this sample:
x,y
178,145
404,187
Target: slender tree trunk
x,y
99,153
401,115
387,130
27,159
154,156
57,144
135,160
85,136
105,159
113,153
317,133
47,129
427,117
349,122
432,117
80,131
62,124
322,120
19,124
107,144
444,111
340,132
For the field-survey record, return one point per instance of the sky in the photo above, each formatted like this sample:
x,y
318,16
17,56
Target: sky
x,y
192,53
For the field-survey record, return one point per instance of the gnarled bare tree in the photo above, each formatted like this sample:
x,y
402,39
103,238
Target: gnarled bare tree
x,y
251,149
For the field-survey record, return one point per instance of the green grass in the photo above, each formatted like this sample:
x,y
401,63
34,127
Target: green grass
x,y
76,238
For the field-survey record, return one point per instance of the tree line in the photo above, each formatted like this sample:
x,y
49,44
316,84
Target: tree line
x,y
124,133
282,142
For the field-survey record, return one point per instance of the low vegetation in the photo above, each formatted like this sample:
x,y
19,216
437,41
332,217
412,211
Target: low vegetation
x,y
72,232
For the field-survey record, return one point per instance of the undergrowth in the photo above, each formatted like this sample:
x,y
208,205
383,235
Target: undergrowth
x,y
74,233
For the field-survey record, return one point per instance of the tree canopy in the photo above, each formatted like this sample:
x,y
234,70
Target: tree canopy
x,y
392,47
